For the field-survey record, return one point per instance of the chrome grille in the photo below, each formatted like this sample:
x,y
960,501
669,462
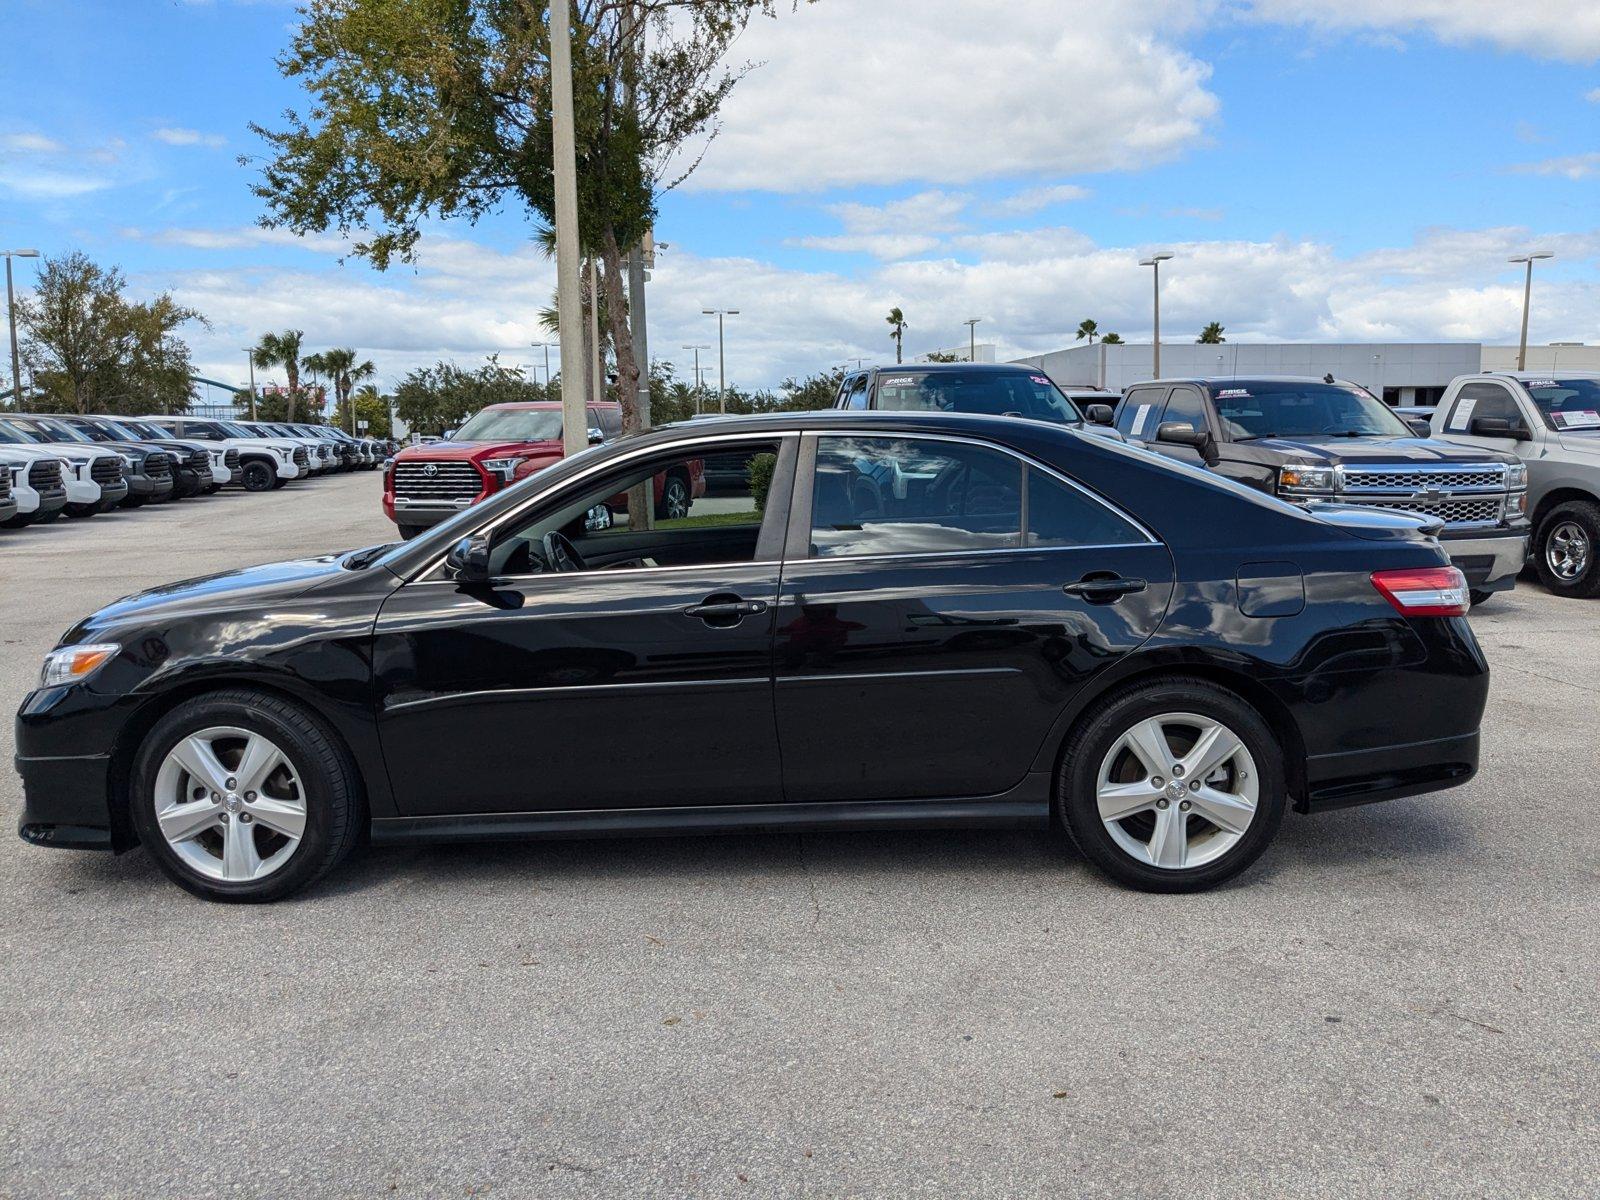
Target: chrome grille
x,y
1458,510
45,475
437,480
1415,479
106,471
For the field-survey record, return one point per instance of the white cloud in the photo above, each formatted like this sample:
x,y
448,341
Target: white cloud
x,y
1592,96
1031,200
30,184
30,143
947,91
897,229
238,238
177,136
1562,29
1571,166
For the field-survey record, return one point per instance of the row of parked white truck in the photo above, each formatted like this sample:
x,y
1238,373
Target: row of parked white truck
x,y
79,465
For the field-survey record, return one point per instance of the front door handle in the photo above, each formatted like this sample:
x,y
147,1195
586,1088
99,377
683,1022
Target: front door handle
x,y
1104,589
725,612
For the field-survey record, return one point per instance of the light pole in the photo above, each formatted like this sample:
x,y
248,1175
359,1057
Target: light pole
x,y
1527,295
11,316
574,404
546,346
972,338
722,360
1155,261
250,356
697,348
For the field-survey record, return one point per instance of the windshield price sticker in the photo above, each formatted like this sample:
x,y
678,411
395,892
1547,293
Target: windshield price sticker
x,y
1139,419
1040,379
1463,413
900,381
1535,384
1586,418
1233,393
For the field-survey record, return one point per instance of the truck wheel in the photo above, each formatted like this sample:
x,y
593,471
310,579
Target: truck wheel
x,y
407,532
1173,786
242,796
1567,549
675,499
82,510
256,477
1478,596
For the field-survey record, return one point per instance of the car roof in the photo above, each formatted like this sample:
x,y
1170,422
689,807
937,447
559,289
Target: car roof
x,y
542,405
1540,374
940,368
1222,381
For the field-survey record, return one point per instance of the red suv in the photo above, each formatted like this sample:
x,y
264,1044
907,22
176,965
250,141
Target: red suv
x,y
498,446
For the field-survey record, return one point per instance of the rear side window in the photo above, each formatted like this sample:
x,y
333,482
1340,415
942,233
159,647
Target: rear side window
x,y
1140,413
1061,515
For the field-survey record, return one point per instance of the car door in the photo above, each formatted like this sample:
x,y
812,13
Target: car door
x,y
642,679
942,600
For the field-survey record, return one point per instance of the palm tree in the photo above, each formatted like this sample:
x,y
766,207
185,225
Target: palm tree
x,y
342,368
897,321
283,350
315,365
1087,329
1211,335
1111,339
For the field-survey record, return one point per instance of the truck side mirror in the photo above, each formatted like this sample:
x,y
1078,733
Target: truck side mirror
x,y
1499,427
1181,433
1419,427
596,435
1098,414
468,560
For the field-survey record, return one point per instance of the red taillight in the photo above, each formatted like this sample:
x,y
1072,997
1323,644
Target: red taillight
x,y
1425,591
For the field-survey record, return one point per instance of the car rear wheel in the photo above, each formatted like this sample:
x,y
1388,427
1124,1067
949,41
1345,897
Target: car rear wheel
x,y
1567,549
1172,787
407,532
244,797
675,499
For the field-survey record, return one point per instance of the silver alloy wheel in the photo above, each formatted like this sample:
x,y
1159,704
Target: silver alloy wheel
x,y
230,804
1177,791
676,499
1567,551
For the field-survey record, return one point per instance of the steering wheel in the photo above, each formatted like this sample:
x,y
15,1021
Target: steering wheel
x,y
560,553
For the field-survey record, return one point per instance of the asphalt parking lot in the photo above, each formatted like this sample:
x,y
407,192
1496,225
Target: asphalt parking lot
x,y
1397,1000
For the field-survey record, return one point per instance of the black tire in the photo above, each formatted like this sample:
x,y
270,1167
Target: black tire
x,y
1478,596
674,488
1583,517
407,532
1096,736
279,482
335,813
49,517
82,510
257,476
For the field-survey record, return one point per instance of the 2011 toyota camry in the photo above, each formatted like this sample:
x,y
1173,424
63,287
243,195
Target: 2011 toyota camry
x,y
907,620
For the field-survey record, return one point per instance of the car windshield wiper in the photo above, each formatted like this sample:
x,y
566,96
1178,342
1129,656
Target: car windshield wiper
x,y
361,559
1256,437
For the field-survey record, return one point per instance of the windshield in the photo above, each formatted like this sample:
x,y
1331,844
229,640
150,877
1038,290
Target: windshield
x,y
512,425
1568,405
98,433
994,392
40,430
1265,408
13,436
234,430
140,430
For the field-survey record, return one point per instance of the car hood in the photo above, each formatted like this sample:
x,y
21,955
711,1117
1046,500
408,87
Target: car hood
x,y
1371,450
28,453
469,451
283,444
1581,443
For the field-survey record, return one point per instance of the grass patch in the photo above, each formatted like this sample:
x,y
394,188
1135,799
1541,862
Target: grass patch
x,y
706,520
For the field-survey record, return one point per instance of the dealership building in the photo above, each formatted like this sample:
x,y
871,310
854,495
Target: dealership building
x,y
1402,373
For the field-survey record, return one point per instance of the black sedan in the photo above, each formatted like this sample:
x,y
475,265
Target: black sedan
x,y
924,620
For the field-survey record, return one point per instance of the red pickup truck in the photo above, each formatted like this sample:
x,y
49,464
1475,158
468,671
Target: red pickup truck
x,y
499,446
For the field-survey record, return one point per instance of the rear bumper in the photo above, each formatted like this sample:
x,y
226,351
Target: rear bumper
x,y
1490,561
1388,772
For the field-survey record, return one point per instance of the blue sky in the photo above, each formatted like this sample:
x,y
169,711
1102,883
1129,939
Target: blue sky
x,y
1358,171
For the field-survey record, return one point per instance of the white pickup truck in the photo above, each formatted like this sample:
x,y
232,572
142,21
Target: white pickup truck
x,y
1551,421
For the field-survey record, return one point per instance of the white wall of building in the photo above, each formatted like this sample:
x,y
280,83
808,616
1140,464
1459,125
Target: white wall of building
x,y
1554,358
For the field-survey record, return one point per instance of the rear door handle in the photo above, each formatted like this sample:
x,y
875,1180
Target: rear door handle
x,y
1104,589
729,612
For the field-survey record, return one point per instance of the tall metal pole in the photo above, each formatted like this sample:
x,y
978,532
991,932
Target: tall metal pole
x,y
722,370
250,354
16,359
1155,261
574,419
972,338
597,364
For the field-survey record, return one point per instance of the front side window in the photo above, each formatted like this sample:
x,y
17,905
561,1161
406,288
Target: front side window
x,y
996,393
1567,405
857,399
1141,413
883,495
1483,400
1187,407
1261,408
512,425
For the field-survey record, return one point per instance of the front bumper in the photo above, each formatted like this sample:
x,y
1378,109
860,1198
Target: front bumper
x,y
144,485
404,511
8,508
64,738
1491,560
289,469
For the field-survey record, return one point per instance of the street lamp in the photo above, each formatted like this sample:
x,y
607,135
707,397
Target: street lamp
x,y
1527,294
11,316
972,338
697,348
250,353
546,346
722,362
1155,261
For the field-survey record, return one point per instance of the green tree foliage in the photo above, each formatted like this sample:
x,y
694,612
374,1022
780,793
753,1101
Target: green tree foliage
x,y
370,406
425,110
943,356
92,349
437,398
897,330
1087,328
1211,335
1112,339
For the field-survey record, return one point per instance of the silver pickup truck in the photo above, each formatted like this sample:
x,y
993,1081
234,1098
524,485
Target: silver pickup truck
x,y
1552,423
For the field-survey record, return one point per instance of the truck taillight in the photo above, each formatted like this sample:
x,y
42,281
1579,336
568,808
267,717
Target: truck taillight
x,y
1425,591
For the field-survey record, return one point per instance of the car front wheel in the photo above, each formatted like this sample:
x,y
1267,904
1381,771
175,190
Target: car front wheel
x,y
242,796
257,477
1567,549
1172,787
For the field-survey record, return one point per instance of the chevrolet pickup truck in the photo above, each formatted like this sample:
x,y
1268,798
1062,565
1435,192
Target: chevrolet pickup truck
x,y
1551,424
1320,440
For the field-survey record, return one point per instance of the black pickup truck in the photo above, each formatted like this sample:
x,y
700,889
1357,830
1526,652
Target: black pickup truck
x,y
1310,440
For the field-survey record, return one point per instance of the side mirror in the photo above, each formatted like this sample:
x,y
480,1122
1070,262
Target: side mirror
x,y
1419,427
1098,414
447,435
1498,427
468,560
1181,433
596,436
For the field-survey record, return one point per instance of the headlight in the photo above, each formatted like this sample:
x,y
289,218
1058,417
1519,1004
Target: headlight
x,y
1303,477
503,467
73,664
1517,475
